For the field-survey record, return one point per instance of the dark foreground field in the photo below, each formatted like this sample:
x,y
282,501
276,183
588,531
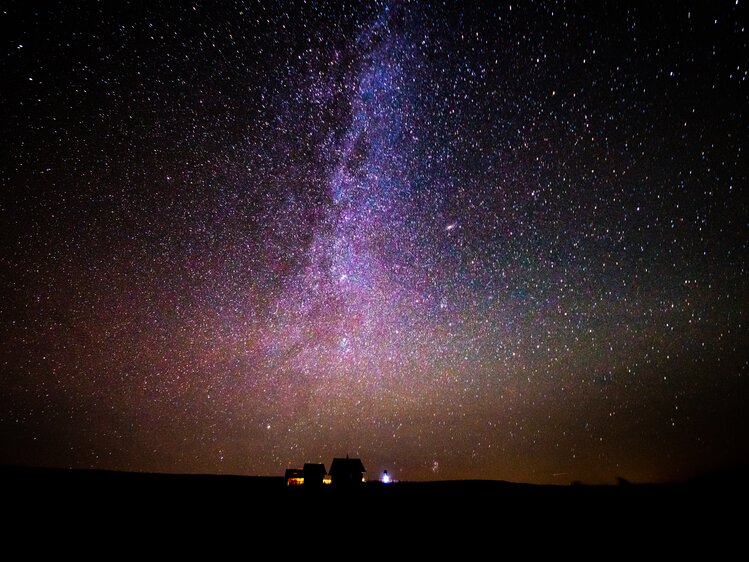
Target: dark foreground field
x,y
81,499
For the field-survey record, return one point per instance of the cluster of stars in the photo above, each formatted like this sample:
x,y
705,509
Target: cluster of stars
x,y
458,241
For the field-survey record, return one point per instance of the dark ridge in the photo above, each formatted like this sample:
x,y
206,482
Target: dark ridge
x,y
175,510
104,487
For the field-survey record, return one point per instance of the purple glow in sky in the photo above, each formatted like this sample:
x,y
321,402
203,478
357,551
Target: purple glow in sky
x,y
467,241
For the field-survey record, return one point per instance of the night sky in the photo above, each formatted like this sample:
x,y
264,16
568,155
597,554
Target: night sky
x,y
456,240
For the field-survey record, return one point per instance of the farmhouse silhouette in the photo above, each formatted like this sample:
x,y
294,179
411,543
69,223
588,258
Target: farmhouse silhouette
x,y
344,473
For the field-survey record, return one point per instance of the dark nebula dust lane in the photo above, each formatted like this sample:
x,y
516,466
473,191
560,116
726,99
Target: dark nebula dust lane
x,y
457,241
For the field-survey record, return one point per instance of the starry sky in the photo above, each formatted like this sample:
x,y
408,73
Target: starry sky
x,y
457,240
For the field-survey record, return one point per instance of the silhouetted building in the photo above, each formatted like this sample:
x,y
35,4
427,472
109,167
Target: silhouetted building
x,y
314,474
347,472
294,477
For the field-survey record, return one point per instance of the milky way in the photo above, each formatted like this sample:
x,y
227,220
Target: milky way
x,y
466,241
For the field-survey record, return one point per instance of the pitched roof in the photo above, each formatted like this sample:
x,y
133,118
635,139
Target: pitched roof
x,y
314,468
347,465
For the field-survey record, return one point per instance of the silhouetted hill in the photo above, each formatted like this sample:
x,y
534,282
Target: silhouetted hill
x,y
734,477
115,500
